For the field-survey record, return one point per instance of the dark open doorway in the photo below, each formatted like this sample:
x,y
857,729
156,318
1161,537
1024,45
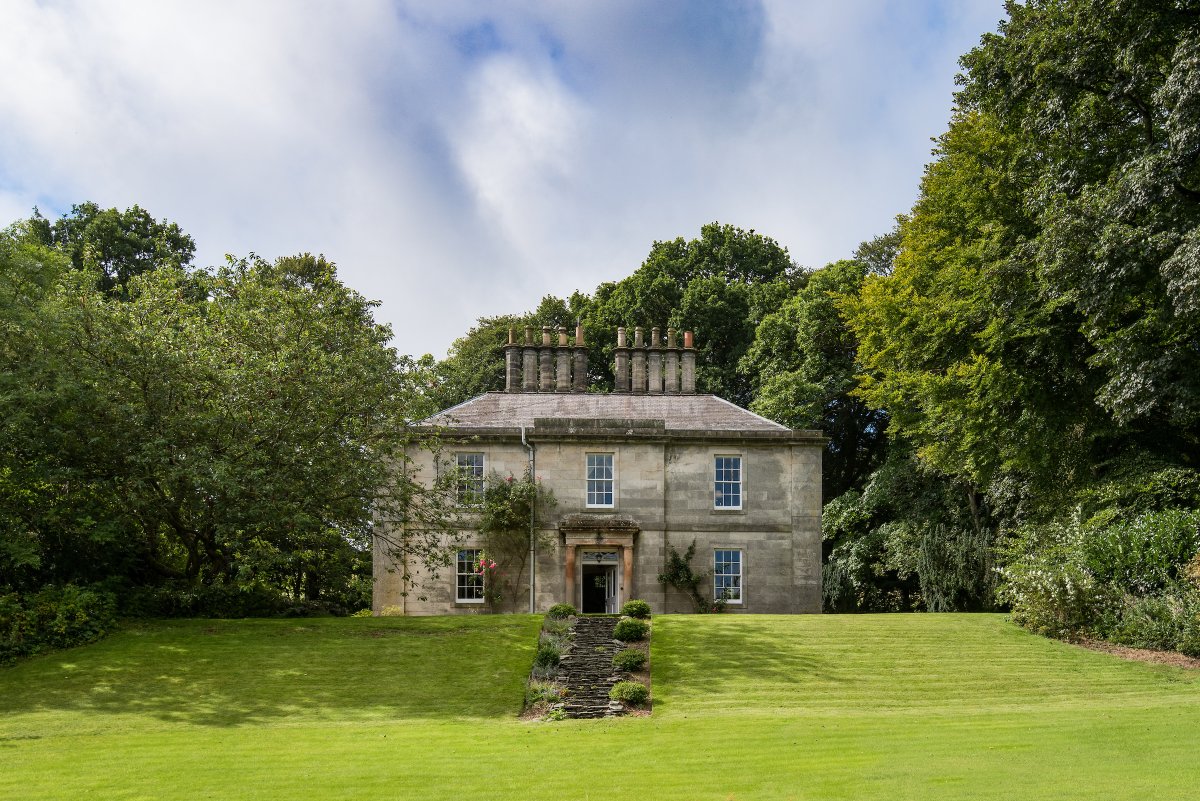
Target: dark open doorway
x,y
599,589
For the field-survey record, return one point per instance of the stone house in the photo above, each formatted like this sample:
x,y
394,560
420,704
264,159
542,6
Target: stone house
x,y
649,465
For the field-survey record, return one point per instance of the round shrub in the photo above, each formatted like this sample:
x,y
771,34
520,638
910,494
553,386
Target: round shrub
x,y
630,659
630,692
561,611
547,655
636,608
631,629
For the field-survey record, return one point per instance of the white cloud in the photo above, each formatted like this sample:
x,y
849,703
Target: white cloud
x,y
459,163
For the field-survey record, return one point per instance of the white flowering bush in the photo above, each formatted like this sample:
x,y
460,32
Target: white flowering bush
x,y
1046,583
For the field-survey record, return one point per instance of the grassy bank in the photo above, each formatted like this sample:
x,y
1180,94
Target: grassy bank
x,y
905,706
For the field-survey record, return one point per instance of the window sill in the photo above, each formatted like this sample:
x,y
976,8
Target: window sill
x,y
729,511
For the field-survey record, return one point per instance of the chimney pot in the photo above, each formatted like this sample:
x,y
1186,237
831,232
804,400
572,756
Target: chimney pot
x,y
670,337
562,336
688,341
638,338
579,334
545,336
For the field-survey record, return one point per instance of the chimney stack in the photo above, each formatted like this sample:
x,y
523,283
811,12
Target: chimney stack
x,y
689,365
546,363
671,364
654,363
563,384
639,362
621,383
581,367
512,363
529,367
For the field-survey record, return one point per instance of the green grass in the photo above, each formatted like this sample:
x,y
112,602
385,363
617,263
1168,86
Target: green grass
x,y
821,707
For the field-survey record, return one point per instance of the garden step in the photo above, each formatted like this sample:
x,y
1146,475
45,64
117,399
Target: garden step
x,y
587,669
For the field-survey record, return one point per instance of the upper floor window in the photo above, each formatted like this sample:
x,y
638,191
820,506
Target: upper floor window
x,y
468,583
600,479
727,485
470,479
727,576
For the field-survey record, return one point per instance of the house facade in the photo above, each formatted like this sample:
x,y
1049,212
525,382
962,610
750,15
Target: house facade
x,y
650,466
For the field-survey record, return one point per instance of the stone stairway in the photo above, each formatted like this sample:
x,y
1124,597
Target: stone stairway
x,y
587,670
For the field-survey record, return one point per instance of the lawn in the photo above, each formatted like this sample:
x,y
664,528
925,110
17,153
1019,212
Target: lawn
x,y
747,707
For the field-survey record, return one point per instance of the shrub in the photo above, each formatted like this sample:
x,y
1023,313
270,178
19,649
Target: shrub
x,y
630,660
548,655
363,613
559,628
1146,554
561,611
1049,589
539,691
54,617
630,629
631,692
1169,621
636,608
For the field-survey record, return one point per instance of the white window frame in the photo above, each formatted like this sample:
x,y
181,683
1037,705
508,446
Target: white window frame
x,y
722,479
611,480
470,579
470,486
739,575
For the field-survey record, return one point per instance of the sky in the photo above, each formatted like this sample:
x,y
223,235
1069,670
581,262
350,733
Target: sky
x,y
463,159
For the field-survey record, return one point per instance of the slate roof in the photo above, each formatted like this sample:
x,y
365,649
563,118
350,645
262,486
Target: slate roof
x,y
504,410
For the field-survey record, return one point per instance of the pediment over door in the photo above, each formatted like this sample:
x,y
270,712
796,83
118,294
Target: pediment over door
x,y
585,529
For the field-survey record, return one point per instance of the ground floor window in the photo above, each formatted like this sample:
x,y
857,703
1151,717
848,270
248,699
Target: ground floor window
x,y
727,576
468,578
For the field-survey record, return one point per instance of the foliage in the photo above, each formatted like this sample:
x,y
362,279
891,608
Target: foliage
x,y
630,629
1146,554
542,692
1046,584
53,617
236,426
630,692
548,654
1101,97
556,626
629,659
804,370
636,608
677,572
718,285
113,244
506,517
226,601
561,611
1165,621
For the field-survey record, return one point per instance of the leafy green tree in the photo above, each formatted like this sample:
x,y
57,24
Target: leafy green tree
x,y
115,244
475,363
803,368
1102,101
246,424
719,285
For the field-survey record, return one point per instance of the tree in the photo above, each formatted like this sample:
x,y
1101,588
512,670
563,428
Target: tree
x,y
719,285
117,245
245,424
803,368
1102,101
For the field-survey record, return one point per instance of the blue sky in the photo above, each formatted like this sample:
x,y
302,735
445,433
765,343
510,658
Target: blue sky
x,y
464,159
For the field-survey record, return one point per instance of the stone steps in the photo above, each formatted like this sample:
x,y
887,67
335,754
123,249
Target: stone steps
x,y
587,669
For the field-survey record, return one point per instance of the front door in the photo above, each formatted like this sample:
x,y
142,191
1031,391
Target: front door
x,y
600,582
